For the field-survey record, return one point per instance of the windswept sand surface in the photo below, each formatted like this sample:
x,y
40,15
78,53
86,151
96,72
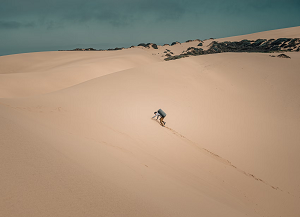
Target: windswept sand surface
x,y
77,138
293,32
38,73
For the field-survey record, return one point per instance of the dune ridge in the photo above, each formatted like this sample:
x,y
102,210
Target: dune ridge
x,y
275,40
45,72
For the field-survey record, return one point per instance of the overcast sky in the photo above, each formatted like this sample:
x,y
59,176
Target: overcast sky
x,y
40,25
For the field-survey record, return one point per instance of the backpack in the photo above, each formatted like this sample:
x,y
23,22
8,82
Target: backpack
x,y
162,113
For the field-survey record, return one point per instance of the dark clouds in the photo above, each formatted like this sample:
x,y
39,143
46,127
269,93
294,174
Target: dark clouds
x,y
58,22
14,25
121,12
111,11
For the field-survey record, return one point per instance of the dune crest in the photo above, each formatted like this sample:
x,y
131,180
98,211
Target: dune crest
x,y
45,72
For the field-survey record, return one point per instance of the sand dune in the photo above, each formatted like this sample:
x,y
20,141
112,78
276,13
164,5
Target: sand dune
x,y
46,72
88,146
293,32
178,48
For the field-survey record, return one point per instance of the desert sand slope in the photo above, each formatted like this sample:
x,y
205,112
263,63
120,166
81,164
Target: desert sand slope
x,y
292,32
230,147
37,73
77,138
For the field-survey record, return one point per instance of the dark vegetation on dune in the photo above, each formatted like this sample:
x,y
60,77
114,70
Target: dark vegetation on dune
x,y
260,45
148,45
281,56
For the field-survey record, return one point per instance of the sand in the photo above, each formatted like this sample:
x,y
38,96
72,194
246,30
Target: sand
x,y
77,138
44,72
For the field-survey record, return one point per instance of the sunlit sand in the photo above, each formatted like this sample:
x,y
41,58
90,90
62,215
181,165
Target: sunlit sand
x,y
77,138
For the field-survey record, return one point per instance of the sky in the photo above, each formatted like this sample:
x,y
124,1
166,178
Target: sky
x,y
46,25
